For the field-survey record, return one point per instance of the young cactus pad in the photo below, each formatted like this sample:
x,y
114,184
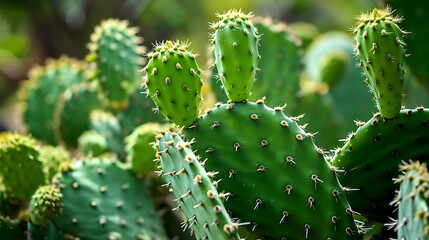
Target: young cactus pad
x,y
173,82
380,46
45,205
195,190
102,200
116,52
21,170
371,156
236,53
412,201
278,179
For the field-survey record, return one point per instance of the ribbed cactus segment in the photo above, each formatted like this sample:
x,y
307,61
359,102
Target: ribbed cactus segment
x,y
380,46
278,179
173,82
73,110
115,50
236,53
45,205
102,200
52,158
195,189
92,143
21,170
42,91
371,156
140,153
280,65
412,201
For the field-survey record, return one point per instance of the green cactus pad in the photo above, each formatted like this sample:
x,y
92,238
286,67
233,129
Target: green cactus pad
x,y
372,154
140,153
194,188
278,179
102,200
380,46
236,53
92,143
42,91
173,82
21,170
116,52
45,205
72,113
106,124
412,201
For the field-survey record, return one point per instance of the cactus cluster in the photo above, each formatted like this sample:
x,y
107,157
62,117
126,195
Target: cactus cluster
x,y
246,167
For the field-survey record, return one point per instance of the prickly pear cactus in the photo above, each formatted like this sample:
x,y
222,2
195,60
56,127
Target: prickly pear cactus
x,y
117,56
42,91
11,229
140,153
371,156
412,202
173,82
45,205
21,169
72,113
52,158
92,143
195,189
235,36
102,200
381,49
252,146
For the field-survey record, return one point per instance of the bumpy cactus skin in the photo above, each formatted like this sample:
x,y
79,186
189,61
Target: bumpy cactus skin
x,y
253,146
53,158
371,156
45,205
116,52
173,82
19,156
42,92
412,201
194,188
380,46
234,37
102,200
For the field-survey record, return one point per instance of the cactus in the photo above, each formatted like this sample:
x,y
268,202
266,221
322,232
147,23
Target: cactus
x,y
92,143
140,153
375,150
42,91
235,36
194,188
239,139
19,156
412,202
71,117
45,205
11,229
380,46
171,67
116,52
102,200
52,158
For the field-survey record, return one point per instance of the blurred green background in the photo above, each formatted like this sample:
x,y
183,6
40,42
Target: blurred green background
x,y
34,30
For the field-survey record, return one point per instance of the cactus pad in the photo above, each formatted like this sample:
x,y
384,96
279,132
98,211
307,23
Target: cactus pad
x,y
236,53
173,82
45,205
380,46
